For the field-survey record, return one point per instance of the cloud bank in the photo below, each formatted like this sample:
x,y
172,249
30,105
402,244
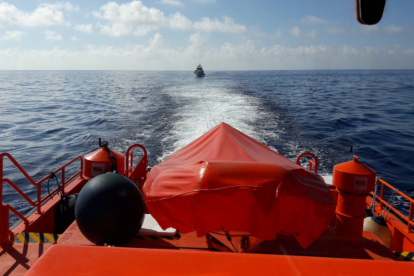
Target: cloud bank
x,y
136,19
244,56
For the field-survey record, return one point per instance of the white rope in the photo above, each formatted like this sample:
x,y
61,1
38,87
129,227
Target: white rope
x,y
374,198
205,103
212,117
205,117
392,199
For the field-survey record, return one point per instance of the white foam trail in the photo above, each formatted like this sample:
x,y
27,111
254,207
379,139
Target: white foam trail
x,y
210,106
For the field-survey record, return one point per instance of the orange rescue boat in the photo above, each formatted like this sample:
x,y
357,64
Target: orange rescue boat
x,y
224,204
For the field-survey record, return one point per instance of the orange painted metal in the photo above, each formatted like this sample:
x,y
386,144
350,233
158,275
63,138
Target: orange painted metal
x,y
399,223
98,162
4,224
402,239
6,235
16,259
91,260
44,222
382,201
139,174
313,162
354,181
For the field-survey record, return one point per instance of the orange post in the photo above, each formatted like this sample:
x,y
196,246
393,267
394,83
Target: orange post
x,y
353,181
4,225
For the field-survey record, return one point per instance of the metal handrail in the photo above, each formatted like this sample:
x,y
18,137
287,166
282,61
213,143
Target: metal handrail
x,y
129,167
40,200
129,154
313,162
383,202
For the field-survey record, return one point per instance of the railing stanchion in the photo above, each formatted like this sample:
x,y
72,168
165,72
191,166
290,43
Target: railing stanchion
x,y
5,233
39,198
4,224
63,180
1,179
382,195
410,216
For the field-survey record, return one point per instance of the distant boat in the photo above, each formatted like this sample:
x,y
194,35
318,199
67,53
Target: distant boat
x,y
199,72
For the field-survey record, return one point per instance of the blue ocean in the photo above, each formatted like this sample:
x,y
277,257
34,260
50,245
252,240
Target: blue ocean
x,y
49,117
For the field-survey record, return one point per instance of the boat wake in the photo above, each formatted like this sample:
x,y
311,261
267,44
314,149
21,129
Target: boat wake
x,y
206,106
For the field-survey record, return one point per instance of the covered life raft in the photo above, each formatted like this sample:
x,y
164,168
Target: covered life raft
x,y
227,181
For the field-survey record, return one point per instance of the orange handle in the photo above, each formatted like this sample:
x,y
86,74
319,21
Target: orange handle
x,y
311,162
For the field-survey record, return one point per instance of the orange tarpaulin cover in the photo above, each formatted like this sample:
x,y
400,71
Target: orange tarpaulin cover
x,y
227,180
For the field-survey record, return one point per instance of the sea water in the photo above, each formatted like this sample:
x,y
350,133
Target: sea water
x,y
49,117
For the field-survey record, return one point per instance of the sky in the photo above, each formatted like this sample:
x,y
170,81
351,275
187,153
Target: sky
x,y
219,34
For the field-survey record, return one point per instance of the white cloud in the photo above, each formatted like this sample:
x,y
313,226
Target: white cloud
x,y
144,30
129,18
133,12
295,31
333,30
311,34
137,19
74,38
115,29
87,28
204,1
121,29
313,20
179,21
51,35
195,50
197,39
228,56
61,6
44,15
368,28
12,35
277,34
172,3
225,26
393,29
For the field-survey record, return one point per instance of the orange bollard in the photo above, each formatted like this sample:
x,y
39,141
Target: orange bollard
x,y
353,181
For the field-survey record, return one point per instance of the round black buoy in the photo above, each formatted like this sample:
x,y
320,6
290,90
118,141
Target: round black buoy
x,y
110,209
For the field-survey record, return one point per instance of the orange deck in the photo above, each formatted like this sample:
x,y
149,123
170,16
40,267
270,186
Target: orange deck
x,y
17,259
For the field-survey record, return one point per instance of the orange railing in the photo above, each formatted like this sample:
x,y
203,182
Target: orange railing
x,y
312,163
5,208
383,202
138,175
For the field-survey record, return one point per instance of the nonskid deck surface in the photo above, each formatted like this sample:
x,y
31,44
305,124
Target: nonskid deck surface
x,y
20,257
